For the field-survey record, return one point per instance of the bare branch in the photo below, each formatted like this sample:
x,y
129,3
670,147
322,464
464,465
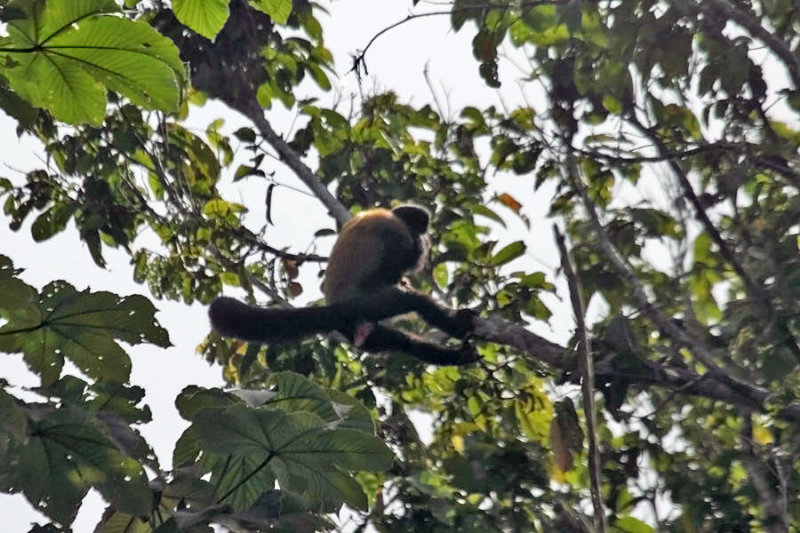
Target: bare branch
x,y
255,113
776,519
359,58
586,369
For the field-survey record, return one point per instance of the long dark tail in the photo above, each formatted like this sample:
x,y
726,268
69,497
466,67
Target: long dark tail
x,y
233,318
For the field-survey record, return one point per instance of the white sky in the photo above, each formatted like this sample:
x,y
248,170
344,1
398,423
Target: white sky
x,y
396,62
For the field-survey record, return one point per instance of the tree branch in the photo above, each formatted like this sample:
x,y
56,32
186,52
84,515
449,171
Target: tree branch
x,y
537,349
359,58
664,323
254,111
754,290
754,27
775,520
586,368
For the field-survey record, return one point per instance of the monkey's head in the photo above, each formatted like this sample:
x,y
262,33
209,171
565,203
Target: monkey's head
x,y
416,220
415,217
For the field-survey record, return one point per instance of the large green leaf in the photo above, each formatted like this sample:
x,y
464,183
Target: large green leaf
x,y
304,453
100,397
81,326
206,17
66,53
63,458
239,480
292,392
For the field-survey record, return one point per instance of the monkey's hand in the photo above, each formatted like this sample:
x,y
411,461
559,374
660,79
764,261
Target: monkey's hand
x,y
467,351
463,324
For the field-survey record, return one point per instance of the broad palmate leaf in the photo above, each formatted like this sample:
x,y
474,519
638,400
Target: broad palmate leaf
x,y
83,327
66,455
301,451
64,55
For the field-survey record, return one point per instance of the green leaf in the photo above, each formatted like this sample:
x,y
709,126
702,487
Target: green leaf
x,y
480,209
52,221
193,399
81,326
66,53
16,107
319,76
292,392
629,524
508,253
278,10
206,17
13,422
219,208
64,457
102,396
353,414
612,104
14,293
441,275
239,479
303,452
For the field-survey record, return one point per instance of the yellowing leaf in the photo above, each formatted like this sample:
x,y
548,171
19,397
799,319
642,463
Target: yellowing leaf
x,y
762,435
219,208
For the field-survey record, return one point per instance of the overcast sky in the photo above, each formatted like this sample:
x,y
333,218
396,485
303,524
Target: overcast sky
x,y
396,62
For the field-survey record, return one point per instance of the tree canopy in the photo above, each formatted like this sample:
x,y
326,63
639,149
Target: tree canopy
x,y
669,133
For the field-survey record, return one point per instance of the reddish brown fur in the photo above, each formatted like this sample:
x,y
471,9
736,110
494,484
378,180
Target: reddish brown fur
x,y
361,245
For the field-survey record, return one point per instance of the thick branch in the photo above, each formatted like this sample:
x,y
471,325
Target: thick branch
x,y
647,374
255,113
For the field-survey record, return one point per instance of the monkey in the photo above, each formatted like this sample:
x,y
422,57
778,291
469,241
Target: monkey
x,y
362,286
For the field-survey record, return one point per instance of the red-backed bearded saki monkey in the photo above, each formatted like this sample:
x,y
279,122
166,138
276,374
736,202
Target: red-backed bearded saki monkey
x,y
362,286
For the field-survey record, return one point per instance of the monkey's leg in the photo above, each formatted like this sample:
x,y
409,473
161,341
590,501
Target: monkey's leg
x,y
392,301
233,318
383,338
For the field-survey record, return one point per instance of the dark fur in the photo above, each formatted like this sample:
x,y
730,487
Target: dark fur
x,y
368,261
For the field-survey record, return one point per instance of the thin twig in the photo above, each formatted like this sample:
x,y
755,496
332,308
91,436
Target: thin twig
x,y
586,369
359,59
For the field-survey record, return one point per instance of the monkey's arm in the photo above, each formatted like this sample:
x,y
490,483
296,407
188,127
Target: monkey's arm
x,y
383,338
233,318
392,301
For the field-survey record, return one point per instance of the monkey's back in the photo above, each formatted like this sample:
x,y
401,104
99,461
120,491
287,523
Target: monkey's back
x,y
373,250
